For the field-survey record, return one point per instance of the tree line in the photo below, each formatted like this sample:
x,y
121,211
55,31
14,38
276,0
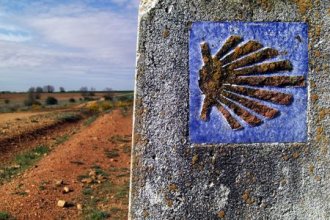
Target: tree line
x,y
45,89
34,94
51,89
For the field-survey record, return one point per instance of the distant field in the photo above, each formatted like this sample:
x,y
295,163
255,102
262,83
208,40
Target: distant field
x,y
20,97
14,102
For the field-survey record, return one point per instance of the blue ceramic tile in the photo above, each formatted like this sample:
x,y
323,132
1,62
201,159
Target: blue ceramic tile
x,y
290,39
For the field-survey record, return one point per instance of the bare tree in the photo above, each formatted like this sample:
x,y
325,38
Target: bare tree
x,y
39,89
84,91
38,92
32,90
109,94
31,97
49,89
62,89
92,91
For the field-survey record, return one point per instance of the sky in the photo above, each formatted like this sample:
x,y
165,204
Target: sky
x,y
69,43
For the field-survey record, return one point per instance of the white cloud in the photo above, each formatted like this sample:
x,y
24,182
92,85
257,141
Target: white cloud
x,y
119,2
70,40
126,3
108,36
18,55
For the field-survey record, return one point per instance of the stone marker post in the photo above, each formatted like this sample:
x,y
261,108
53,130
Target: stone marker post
x,y
232,110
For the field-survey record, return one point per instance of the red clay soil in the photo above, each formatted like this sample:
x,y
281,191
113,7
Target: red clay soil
x,y
88,147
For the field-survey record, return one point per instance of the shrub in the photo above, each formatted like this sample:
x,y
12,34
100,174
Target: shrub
x,y
72,100
125,98
108,97
70,117
4,215
98,215
36,107
106,106
7,101
87,98
51,100
30,102
93,107
121,104
14,108
37,96
112,153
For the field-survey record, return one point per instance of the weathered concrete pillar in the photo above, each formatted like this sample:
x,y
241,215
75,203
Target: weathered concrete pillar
x,y
232,110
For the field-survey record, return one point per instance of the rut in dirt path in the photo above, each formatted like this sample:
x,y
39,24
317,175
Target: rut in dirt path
x,y
46,135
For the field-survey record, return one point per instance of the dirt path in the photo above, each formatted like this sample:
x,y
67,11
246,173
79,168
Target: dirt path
x,y
34,195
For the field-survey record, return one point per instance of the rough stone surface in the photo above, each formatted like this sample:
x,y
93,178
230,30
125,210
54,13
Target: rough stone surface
x,y
175,179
